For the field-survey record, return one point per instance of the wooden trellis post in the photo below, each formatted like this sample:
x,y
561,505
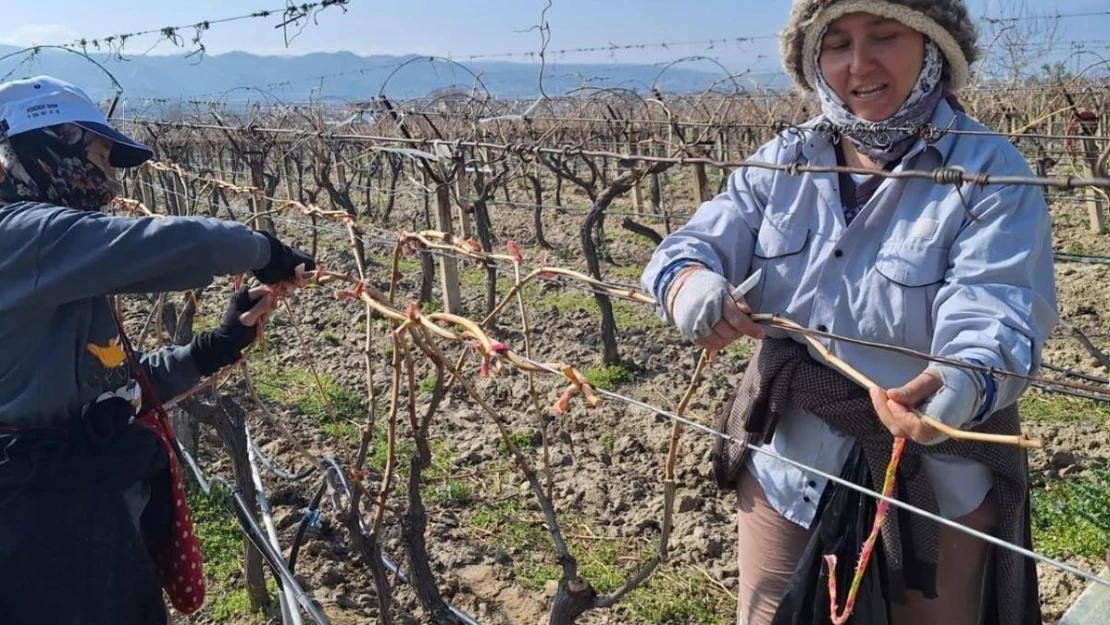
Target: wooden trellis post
x,y
256,208
340,171
463,191
637,191
146,191
701,183
287,177
1095,214
448,266
181,191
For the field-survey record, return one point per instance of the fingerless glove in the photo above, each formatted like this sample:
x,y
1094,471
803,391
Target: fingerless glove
x,y
283,261
215,349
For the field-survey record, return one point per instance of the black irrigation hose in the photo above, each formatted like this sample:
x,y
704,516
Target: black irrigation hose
x,y
254,533
1048,388
1081,258
1075,374
389,564
312,514
310,518
285,475
246,519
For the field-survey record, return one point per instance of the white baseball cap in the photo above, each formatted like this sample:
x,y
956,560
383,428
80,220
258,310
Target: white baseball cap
x,y
40,101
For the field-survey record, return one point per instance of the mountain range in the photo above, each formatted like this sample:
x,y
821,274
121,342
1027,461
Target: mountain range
x,y
344,76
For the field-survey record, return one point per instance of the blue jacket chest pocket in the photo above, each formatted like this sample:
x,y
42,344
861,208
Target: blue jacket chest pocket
x,y
911,274
778,251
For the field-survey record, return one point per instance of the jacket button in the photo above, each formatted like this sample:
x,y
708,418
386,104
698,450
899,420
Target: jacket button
x,y
838,253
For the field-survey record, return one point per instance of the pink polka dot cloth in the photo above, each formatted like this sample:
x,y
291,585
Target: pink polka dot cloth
x,y
179,560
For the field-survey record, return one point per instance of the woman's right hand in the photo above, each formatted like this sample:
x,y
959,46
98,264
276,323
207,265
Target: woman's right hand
x,y
705,312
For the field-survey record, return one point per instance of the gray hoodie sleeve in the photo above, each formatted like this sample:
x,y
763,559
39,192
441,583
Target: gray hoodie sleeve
x,y
60,255
83,254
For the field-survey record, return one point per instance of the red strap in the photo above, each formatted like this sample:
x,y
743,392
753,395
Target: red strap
x,y
179,560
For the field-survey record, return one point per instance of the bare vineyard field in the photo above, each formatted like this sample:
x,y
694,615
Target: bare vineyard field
x,y
362,452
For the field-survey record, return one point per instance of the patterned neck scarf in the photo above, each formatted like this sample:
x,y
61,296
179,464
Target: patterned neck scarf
x,y
874,139
51,165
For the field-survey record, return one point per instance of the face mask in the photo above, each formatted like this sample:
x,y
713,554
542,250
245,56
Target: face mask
x,y
52,165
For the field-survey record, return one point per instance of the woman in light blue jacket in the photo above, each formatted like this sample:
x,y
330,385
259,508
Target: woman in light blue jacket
x,y
963,273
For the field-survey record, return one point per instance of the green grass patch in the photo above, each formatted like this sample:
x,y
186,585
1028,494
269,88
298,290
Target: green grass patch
x,y
632,315
407,265
426,386
522,439
293,386
566,253
330,336
740,348
1071,516
627,315
1052,408
289,386
609,377
450,493
205,322
439,485
616,233
627,274
297,387
608,442
669,597
403,450
475,277
507,520
570,302
221,546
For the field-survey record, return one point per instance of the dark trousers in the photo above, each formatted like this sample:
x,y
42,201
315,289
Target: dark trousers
x,y
70,550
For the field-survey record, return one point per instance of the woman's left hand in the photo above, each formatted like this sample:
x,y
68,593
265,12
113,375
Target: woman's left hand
x,y
894,407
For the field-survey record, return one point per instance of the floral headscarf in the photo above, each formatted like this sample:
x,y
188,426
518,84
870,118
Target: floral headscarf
x,y
51,165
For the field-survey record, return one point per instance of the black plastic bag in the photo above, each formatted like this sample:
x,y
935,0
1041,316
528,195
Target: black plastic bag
x,y
844,520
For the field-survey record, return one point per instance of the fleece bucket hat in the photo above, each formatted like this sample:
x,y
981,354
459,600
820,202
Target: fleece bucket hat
x,y
946,22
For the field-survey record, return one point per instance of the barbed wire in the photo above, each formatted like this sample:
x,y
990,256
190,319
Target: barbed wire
x,y
614,47
468,253
618,290
939,175
290,13
1057,16
927,131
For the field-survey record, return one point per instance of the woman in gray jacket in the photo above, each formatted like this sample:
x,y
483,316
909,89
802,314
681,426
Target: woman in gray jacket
x,y
93,524
964,274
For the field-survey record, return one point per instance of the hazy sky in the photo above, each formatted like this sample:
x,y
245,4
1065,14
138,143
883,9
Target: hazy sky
x,y
460,28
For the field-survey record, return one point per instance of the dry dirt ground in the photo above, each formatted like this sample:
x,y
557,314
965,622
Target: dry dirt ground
x,y
490,552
